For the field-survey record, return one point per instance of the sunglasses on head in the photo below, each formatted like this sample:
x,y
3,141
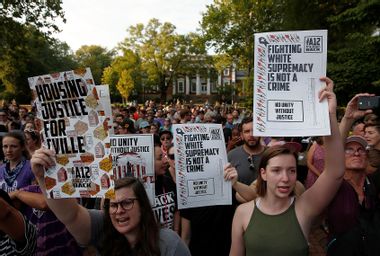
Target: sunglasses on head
x,y
251,163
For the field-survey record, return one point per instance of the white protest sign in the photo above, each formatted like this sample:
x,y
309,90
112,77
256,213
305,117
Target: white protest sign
x,y
133,155
200,155
288,66
74,123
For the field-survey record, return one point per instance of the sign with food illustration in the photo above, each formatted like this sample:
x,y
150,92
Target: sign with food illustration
x,y
199,159
288,66
73,120
133,155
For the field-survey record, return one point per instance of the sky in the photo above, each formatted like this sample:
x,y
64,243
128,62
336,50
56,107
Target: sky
x,y
105,22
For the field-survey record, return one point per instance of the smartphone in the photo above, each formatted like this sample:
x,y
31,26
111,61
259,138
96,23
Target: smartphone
x,y
368,102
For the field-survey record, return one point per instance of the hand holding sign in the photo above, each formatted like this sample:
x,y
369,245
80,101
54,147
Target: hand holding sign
x,y
328,93
230,174
42,159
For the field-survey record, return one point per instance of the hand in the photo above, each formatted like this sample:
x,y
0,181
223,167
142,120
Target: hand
x,y
13,194
230,173
352,110
42,159
234,141
328,93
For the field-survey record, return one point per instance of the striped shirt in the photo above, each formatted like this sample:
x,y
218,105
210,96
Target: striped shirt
x,y
8,247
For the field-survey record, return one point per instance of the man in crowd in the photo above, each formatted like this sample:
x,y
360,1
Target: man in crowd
x,y
185,116
3,117
353,211
356,196
246,157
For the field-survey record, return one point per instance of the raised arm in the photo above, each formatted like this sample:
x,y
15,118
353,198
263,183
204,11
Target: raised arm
x,y
75,217
312,202
351,114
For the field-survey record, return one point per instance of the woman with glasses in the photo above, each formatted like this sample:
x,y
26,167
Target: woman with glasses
x,y
166,138
276,223
127,225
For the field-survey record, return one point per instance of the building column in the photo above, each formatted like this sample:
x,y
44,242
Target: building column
x,y
198,85
174,87
187,85
208,83
219,79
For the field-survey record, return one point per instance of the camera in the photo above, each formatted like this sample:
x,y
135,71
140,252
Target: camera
x,y
368,102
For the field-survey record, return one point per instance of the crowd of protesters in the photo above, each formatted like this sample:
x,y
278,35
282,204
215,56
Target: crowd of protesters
x,y
275,205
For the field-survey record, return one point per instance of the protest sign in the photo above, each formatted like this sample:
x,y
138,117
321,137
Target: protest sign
x,y
288,66
133,155
200,155
73,121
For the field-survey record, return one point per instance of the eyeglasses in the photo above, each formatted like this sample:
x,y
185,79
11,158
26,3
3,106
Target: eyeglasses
x,y
251,163
352,151
30,131
126,204
165,138
171,156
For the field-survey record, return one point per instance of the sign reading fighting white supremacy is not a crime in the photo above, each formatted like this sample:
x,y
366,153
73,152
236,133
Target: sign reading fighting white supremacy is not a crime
x,y
200,157
288,66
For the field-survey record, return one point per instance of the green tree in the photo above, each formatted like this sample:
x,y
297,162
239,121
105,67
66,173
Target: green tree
x,y
162,51
24,49
354,61
123,75
125,84
229,26
32,54
95,57
41,14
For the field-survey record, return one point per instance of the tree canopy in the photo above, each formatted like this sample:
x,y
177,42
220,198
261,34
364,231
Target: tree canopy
x,y
161,50
229,26
26,48
41,14
124,75
95,57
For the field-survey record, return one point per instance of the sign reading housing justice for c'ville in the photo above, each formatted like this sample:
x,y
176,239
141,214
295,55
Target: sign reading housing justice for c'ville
x,y
72,114
288,66
199,158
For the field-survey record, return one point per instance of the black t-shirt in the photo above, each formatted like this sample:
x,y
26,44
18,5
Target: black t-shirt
x,y
165,201
210,229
